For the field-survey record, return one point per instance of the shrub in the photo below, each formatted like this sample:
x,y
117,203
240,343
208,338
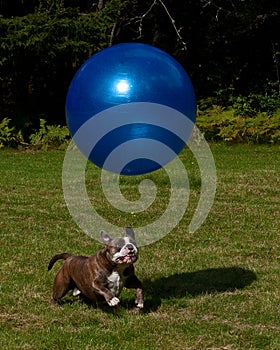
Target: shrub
x,y
253,104
50,136
218,124
8,136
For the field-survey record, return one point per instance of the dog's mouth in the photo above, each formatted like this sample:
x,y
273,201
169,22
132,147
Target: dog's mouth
x,y
129,258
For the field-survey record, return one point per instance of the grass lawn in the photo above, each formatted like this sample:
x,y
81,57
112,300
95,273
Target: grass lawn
x,y
215,289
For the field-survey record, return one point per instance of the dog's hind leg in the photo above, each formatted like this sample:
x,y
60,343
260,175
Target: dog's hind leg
x,y
62,284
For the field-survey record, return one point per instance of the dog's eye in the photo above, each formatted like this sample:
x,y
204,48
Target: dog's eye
x,y
118,244
115,250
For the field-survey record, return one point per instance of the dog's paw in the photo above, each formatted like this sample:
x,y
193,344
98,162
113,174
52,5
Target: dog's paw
x,y
114,301
53,302
140,305
76,292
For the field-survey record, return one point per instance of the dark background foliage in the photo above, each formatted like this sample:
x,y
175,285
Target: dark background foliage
x,y
230,48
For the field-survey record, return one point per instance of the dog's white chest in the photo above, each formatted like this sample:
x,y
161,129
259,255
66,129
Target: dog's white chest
x,y
116,282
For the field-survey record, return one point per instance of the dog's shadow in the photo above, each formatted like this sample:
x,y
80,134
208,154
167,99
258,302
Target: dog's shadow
x,y
181,285
192,284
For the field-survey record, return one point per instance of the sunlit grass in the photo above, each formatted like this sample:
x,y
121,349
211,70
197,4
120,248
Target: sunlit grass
x,y
215,289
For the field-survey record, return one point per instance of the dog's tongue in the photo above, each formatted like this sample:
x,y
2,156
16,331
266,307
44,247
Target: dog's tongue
x,y
127,258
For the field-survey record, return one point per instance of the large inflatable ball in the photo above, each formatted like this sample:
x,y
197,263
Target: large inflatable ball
x,y
131,108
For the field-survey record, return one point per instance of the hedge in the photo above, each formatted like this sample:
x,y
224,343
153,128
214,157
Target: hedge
x,y
216,124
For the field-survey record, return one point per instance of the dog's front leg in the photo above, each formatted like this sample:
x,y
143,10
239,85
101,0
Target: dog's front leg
x,y
139,298
110,298
133,282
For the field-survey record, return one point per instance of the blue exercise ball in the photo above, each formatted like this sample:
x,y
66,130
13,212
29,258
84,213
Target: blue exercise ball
x,y
130,108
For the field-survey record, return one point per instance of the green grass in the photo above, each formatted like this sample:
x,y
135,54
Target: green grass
x,y
215,289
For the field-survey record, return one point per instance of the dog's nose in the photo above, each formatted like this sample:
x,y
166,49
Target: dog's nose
x,y
129,247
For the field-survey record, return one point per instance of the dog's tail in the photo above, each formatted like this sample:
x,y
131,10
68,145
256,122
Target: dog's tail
x,y
63,256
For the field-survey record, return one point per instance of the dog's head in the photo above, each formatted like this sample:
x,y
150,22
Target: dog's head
x,y
122,250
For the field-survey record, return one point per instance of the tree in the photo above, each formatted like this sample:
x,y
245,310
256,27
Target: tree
x,y
228,47
41,51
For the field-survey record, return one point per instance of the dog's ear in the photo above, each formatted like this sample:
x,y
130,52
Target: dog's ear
x,y
105,237
129,232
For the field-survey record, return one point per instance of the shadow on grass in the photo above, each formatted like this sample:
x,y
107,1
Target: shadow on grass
x,y
182,285
69,299
192,284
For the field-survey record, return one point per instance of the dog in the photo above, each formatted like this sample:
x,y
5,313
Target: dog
x,y
102,275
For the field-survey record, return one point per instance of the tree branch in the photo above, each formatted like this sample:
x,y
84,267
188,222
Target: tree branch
x,y
180,38
218,8
177,31
142,18
112,34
